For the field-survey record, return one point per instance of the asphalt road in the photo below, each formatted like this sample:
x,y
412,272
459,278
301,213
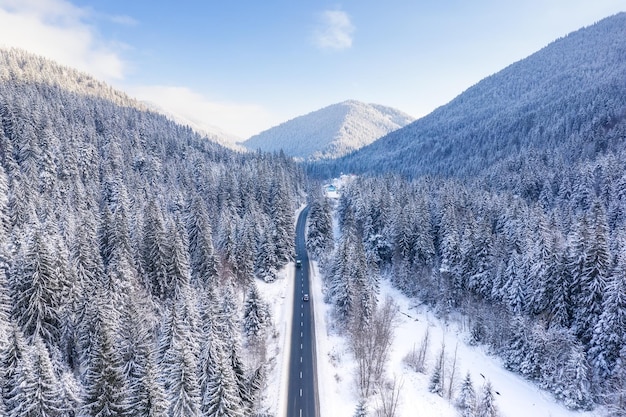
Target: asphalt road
x,y
302,399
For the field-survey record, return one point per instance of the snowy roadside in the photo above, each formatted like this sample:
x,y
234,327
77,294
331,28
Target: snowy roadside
x,y
279,296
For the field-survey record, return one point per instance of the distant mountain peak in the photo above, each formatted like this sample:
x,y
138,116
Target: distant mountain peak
x,y
332,131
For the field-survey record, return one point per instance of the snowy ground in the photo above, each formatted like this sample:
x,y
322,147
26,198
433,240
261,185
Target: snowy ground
x,y
279,296
517,397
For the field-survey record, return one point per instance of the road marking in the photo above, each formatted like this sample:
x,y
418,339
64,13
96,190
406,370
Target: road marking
x,y
300,346
300,412
300,359
301,335
300,374
301,324
301,314
301,392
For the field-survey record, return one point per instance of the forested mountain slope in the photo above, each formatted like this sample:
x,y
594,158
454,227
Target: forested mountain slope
x,y
568,98
127,244
332,131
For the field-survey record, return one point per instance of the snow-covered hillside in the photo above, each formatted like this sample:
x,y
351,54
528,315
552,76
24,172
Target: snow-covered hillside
x,y
332,131
566,99
515,396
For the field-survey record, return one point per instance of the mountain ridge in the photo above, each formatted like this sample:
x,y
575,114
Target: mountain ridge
x,y
556,98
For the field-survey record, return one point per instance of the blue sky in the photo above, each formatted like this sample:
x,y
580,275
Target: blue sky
x,y
245,66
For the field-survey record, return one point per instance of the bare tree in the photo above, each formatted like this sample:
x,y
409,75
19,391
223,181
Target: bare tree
x,y
416,358
371,344
452,373
389,398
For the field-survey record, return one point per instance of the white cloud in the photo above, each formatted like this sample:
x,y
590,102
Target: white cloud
x,y
334,30
68,34
58,30
242,120
123,20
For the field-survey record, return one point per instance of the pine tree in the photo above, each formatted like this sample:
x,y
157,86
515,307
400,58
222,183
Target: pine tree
x,y
592,278
180,364
244,252
486,404
156,253
104,382
320,228
466,402
202,259
37,392
178,270
146,396
37,290
609,334
15,357
515,291
481,281
577,390
4,208
437,378
283,221
450,241
266,260
255,316
361,408
219,393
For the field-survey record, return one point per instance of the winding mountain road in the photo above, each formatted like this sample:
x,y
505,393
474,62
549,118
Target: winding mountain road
x,y
302,398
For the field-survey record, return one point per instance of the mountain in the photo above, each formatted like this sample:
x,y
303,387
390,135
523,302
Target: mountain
x,y
330,132
127,242
568,98
15,65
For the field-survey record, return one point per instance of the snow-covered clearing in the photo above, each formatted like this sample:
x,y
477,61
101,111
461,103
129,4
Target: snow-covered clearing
x,y
517,396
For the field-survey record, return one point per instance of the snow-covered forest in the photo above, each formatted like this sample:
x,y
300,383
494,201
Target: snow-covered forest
x,y
541,281
129,247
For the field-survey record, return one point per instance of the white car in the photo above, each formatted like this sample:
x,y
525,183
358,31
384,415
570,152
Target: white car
x,y
305,297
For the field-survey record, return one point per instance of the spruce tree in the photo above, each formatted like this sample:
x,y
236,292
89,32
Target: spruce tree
x,y
37,289
37,392
202,258
466,402
155,253
255,315
361,408
219,392
609,334
104,382
486,402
